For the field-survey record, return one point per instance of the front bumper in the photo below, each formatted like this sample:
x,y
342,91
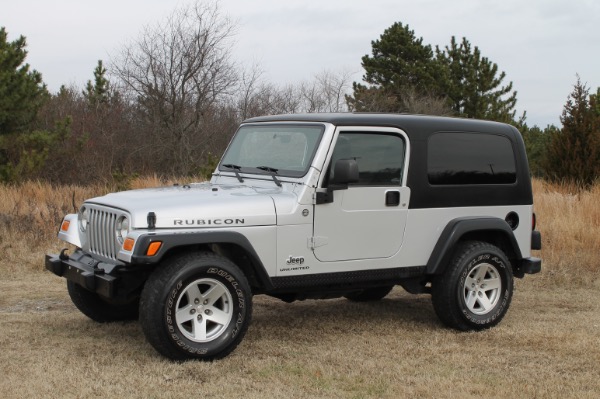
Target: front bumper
x,y
82,269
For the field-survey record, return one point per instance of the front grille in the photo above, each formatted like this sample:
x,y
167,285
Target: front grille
x,y
102,239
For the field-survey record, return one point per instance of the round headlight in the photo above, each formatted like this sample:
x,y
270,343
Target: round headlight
x,y
122,228
83,218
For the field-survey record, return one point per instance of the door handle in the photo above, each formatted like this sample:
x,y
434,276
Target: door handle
x,y
392,198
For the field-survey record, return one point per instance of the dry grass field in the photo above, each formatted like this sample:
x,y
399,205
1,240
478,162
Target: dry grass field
x,y
547,346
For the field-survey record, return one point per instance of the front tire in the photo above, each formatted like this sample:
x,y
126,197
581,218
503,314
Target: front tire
x,y
196,306
97,309
475,291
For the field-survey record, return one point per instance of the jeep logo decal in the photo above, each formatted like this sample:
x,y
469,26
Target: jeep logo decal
x,y
295,260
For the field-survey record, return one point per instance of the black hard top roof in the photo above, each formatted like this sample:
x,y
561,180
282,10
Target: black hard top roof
x,y
407,122
419,128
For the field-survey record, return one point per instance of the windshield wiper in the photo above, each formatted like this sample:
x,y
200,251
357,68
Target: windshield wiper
x,y
236,169
272,172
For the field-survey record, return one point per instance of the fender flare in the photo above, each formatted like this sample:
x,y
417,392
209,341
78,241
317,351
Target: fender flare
x,y
456,229
172,241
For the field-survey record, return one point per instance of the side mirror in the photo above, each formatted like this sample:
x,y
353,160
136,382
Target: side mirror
x,y
345,171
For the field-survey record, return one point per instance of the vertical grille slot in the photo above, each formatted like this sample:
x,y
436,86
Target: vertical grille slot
x,y
101,233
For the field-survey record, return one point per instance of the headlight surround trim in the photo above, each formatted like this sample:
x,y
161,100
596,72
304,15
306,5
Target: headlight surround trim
x,y
122,228
83,218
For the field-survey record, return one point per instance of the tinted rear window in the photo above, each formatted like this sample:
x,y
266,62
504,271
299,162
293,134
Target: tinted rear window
x,y
470,158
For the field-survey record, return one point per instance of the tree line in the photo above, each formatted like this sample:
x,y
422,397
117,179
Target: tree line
x,y
170,100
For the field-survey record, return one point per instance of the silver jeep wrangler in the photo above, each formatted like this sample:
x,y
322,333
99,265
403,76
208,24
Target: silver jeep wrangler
x,y
307,207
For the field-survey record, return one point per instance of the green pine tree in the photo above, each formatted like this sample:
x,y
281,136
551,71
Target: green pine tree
x,y
97,92
22,91
400,62
470,84
573,152
473,84
536,142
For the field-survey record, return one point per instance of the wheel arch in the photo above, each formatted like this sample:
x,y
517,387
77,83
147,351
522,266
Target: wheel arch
x,y
231,245
486,229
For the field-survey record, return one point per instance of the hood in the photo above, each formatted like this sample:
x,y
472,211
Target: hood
x,y
196,205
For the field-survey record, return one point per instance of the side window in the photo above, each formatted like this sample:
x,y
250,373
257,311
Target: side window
x,y
380,157
470,158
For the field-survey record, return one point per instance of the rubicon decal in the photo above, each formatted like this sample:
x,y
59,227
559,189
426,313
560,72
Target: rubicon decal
x,y
207,222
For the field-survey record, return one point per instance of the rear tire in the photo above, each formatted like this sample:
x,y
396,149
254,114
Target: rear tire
x,y
369,294
96,308
475,291
196,306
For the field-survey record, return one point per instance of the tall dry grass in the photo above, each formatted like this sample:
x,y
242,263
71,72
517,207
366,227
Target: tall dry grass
x,y
568,218
30,214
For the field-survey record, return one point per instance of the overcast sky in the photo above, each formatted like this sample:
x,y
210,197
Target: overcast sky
x,y
540,44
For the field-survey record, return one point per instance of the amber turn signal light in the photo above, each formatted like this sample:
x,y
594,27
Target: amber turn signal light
x,y
153,248
128,244
65,225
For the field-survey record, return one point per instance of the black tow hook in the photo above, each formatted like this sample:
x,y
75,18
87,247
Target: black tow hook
x,y
63,255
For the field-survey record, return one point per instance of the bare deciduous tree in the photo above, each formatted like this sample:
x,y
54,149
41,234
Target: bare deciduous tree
x,y
326,92
178,72
418,103
374,99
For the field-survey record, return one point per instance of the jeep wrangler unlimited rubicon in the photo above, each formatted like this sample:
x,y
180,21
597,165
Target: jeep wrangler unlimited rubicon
x,y
312,206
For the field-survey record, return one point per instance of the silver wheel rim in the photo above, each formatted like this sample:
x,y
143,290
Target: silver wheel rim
x,y
482,289
204,310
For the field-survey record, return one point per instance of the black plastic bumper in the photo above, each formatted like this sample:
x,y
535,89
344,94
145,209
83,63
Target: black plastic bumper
x,y
528,266
82,269
536,240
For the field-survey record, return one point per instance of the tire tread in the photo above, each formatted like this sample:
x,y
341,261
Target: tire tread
x,y
154,291
444,296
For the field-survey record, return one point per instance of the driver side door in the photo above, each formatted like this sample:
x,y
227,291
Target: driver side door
x,y
367,219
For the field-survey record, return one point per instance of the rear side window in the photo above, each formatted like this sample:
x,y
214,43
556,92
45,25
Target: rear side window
x,y
470,158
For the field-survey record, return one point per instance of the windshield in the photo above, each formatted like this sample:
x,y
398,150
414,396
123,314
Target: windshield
x,y
285,150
